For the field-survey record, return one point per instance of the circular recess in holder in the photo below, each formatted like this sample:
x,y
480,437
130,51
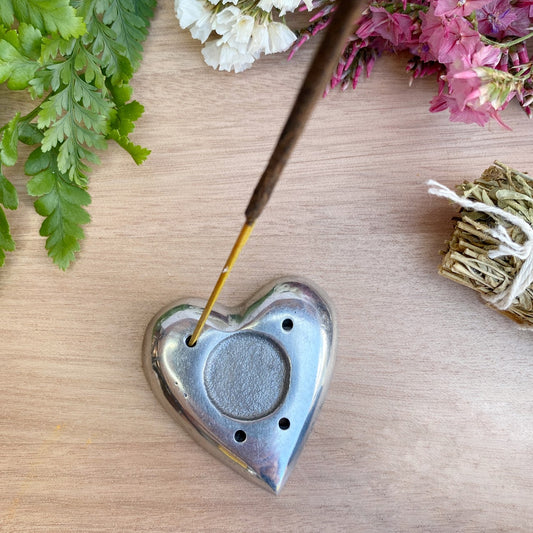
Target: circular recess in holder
x,y
249,390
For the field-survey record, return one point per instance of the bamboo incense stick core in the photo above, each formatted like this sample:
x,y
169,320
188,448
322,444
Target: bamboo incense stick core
x,y
244,234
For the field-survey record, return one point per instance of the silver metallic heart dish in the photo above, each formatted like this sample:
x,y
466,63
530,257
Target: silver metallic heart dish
x,y
250,389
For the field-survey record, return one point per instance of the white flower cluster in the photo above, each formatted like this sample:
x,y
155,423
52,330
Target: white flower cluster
x,y
243,34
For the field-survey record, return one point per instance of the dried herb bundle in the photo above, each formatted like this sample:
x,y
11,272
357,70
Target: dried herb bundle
x,y
468,258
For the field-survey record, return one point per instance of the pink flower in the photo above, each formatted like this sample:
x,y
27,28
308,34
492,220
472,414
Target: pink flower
x,y
484,56
500,19
433,28
471,113
460,8
480,114
462,77
393,27
469,98
464,93
464,86
448,39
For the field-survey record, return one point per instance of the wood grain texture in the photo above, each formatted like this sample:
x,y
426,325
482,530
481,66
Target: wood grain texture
x,y
428,424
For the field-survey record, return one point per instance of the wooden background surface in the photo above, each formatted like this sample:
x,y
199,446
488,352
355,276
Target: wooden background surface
x,y
428,424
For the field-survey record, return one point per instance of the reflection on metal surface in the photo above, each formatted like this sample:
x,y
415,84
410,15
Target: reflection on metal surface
x,y
250,389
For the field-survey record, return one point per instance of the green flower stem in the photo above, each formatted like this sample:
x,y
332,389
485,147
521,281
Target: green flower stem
x,y
506,44
397,7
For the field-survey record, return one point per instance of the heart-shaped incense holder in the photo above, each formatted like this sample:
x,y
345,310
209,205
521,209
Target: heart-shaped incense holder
x,y
250,389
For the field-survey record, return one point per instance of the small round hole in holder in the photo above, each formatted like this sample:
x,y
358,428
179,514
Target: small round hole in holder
x,y
188,340
287,324
240,435
284,423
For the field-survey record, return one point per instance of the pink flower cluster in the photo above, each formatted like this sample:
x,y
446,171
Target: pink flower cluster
x,y
477,48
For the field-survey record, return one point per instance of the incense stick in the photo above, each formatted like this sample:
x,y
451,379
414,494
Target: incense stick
x,y
312,88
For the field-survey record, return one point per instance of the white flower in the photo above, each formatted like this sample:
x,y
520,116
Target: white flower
x,y
280,37
266,5
224,57
242,31
202,29
196,16
226,19
283,5
211,53
240,34
242,37
260,42
234,28
189,12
